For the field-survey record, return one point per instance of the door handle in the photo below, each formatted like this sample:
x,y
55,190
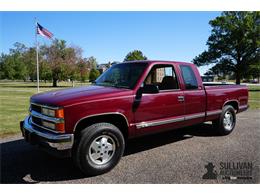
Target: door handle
x,y
181,98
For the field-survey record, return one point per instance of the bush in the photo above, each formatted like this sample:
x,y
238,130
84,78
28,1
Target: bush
x,y
93,75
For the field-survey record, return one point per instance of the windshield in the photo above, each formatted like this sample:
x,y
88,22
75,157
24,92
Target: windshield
x,y
123,75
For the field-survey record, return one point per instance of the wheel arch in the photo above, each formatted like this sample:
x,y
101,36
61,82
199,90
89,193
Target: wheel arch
x,y
115,118
233,103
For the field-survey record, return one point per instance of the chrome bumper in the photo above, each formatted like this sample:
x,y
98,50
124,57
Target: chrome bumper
x,y
33,135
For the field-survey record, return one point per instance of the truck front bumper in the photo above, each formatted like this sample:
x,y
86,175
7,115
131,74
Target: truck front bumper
x,y
54,143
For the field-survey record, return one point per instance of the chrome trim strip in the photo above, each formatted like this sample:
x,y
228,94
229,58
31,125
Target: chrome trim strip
x,y
194,116
163,122
156,123
214,112
47,118
243,107
100,114
45,106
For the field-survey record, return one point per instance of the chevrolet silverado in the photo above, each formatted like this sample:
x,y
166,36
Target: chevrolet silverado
x,y
91,124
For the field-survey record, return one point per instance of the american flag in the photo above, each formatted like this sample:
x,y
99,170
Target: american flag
x,y
43,31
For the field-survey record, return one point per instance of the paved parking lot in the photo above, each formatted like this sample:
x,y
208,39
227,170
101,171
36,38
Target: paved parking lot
x,y
179,156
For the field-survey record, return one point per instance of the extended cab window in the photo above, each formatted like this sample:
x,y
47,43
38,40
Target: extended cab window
x,y
189,77
163,76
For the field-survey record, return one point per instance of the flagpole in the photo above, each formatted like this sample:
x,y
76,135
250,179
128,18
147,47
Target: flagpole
x,y
37,57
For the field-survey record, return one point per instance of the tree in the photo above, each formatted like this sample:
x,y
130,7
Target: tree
x,y
7,67
62,60
83,70
13,65
254,71
135,55
221,70
92,63
93,75
30,61
234,42
45,71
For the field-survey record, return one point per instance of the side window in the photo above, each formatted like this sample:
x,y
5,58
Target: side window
x,y
163,76
189,77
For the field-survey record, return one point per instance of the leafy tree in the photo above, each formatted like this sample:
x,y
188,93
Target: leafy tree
x,y
7,67
45,71
56,62
19,48
83,70
92,63
234,42
62,60
135,55
93,75
221,70
13,65
254,71
30,62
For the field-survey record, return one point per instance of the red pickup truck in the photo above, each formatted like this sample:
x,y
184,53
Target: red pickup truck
x,y
91,124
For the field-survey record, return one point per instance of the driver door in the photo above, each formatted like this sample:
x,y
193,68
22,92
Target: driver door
x,y
164,109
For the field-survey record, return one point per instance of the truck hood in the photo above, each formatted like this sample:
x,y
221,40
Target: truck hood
x,y
66,97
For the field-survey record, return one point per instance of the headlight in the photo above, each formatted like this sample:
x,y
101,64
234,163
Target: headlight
x,y
48,112
60,127
53,113
48,125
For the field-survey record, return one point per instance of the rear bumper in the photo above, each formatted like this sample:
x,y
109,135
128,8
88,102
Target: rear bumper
x,y
56,144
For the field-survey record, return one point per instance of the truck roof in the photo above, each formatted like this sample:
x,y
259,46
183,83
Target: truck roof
x,y
158,61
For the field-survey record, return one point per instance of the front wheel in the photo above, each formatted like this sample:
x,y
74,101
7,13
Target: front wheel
x,y
99,148
227,121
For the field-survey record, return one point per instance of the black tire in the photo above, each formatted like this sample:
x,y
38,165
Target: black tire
x,y
82,156
219,124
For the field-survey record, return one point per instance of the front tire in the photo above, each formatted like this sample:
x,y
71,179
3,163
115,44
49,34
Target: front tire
x,y
226,122
99,149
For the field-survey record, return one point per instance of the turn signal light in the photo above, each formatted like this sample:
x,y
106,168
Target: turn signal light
x,y
60,127
59,113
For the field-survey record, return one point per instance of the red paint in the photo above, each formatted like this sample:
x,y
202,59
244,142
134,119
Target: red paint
x,y
82,102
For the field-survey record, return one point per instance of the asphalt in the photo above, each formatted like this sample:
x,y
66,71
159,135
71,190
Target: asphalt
x,y
179,156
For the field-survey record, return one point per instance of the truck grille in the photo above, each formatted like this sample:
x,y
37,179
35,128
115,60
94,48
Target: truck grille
x,y
38,119
36,108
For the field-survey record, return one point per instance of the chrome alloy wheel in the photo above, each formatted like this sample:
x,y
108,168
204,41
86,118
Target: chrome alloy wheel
x,y
228,121
102,149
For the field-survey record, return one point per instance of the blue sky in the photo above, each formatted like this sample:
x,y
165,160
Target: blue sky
x,y
109,36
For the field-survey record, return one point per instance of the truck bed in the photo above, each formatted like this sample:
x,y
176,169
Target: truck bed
x,y
218,94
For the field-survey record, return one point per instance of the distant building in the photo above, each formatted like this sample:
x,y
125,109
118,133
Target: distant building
x,y
103,67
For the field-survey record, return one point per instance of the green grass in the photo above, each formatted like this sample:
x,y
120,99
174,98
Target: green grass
x,y
254,96
254,99
254,88
14,101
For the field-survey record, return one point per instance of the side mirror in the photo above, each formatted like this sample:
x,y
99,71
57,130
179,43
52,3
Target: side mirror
x,y
150,88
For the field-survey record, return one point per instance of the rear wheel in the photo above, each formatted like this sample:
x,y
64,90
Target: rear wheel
x,y
99,149
227,121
